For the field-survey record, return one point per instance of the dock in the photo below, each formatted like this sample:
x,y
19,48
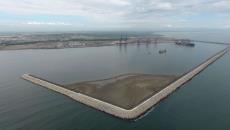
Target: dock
x,y
121,112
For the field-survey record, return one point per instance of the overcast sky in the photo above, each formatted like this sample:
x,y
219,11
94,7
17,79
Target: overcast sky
x,y
38,15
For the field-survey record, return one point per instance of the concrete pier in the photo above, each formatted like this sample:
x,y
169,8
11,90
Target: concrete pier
x,y
121,112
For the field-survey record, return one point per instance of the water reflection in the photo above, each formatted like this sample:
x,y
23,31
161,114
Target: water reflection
x,y
22,99
122,48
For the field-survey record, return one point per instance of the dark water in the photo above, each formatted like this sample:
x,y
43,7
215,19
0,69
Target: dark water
x,y
200,104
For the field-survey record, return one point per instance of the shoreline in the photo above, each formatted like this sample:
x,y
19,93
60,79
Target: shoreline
x,y
88,46
54,46
140,109
84,43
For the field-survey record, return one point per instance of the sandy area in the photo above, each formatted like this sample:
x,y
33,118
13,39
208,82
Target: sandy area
x,y
126,91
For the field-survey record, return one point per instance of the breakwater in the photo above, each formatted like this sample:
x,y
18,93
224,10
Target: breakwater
x,y
120,112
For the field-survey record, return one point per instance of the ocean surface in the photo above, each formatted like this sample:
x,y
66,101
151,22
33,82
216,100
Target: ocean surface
x,y
202,103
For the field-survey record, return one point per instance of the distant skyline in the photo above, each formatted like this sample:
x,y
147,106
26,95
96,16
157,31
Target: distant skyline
x,y
80,15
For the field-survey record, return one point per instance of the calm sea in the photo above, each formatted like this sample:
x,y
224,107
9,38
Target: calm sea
x,y
202,103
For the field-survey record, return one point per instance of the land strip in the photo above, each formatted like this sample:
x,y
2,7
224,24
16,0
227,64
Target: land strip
x,y
125,91
78,43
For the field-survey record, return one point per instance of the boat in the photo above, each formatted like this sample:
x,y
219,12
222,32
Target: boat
x,y
184,42
162,51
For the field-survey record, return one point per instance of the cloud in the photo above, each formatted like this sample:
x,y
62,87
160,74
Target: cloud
x,y
111,7
222,5
123,13
164,6
169,25
47,23
227,26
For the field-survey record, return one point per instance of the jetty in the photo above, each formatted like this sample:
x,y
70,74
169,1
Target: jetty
x,y
136,111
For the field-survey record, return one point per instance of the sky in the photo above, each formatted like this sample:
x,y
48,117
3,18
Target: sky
x,y
78,15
